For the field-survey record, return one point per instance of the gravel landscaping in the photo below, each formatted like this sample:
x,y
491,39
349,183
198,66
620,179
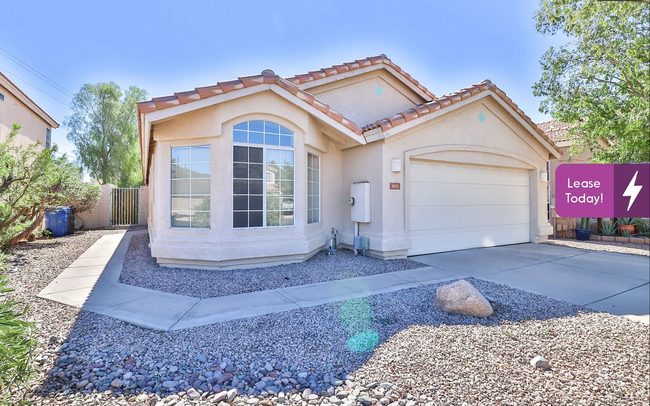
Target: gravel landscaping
x,y
617,247
140,269
393,349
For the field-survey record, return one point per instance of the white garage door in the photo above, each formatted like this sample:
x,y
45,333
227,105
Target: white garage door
x,y
455,207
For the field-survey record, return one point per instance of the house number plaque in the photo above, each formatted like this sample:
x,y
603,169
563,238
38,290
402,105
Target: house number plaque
x,y
394,186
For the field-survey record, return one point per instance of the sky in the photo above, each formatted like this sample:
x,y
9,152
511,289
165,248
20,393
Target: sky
x,y
166,46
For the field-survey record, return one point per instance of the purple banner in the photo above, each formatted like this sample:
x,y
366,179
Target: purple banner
x,y
602,190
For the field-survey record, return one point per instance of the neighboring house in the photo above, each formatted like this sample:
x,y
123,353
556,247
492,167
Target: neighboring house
x,y
16,107
259,170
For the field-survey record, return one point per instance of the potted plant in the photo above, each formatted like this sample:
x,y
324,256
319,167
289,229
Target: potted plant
x,y
626,224
584,231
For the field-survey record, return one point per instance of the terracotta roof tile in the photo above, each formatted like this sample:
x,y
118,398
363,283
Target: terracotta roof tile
x,y
462,94
358,64
165,101
396,120
305,77
207,91
186,97
251,80
231,85
410,114
557,131
325,108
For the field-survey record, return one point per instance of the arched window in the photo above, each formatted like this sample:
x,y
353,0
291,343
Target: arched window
x,y
263,175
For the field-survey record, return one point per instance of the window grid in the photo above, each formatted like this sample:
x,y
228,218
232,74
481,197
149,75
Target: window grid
x,y
271,145
313,189
190,187
48,138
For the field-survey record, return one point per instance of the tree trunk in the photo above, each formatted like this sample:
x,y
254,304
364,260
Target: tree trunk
x,y
26,232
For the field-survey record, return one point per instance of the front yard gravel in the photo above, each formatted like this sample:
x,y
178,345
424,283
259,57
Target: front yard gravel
x,y
140,269
417,355
607,246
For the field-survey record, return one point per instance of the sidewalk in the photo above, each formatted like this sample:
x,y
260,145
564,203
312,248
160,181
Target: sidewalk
x,y
91,283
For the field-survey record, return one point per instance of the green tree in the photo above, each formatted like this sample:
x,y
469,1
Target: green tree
x,y
104,128
32,180
600,80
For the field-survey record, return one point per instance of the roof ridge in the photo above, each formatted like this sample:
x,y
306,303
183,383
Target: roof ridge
x,y
447,100
351,66
178,98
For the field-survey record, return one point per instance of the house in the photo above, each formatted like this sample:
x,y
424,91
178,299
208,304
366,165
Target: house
x,y
16,107
260,170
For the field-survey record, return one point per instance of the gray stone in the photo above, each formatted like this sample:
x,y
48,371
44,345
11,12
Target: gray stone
x,y
82,384
193,394
462,298
540,362
336,382
253,401
117,383
220,396
202,358
268,367
366,400
232,393
170,384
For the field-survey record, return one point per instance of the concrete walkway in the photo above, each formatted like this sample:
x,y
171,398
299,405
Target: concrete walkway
x,y
618,286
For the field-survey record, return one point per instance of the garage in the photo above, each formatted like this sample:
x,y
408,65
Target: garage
x,y
454,206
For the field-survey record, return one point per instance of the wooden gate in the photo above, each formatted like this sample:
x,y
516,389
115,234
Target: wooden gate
x,y
125,206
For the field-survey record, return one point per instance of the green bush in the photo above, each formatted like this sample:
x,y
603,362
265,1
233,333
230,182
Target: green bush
x,y
31,181
16,345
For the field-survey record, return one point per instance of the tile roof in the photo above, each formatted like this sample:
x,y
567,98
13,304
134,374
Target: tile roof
x,y
557,130
447,100
160,103
351,66
35,107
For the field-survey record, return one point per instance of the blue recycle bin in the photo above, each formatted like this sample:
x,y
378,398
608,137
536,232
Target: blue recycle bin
x,y
57,221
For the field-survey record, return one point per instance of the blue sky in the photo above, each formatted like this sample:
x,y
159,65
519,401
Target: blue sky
x,y
165,46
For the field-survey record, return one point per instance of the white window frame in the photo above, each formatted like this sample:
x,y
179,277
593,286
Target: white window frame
x,y
264,178
171,195
320,165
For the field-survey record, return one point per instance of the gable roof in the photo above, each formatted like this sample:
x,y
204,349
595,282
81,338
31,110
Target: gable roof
x,y
557,131
356,65
308,101
20,95
442,102
160,103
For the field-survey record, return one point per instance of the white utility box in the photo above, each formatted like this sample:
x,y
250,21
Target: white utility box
x,y
361,206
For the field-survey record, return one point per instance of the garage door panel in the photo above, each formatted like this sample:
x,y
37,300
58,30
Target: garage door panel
x,y
462,206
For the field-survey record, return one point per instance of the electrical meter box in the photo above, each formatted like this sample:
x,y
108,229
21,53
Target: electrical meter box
x,y
361,205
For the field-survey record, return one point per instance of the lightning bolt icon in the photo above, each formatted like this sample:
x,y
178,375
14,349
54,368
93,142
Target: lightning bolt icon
x,y
632,191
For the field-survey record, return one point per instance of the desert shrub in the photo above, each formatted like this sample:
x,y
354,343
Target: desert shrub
x,y
16,345
33,180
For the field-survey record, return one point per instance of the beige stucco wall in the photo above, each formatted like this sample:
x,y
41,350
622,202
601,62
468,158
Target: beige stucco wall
x,y
457,136
100,216
357,99
13,111
220,245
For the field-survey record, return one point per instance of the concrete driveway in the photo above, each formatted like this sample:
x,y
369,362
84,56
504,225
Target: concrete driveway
x,y
615,283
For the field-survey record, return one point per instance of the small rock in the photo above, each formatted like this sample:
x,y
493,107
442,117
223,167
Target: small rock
x,y
253,401
117,383
219,397
540,362
82,384
193,394
202,358
142,398
232,393
268,367
366,400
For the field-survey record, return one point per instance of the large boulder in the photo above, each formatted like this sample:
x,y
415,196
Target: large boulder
x,y
463,298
